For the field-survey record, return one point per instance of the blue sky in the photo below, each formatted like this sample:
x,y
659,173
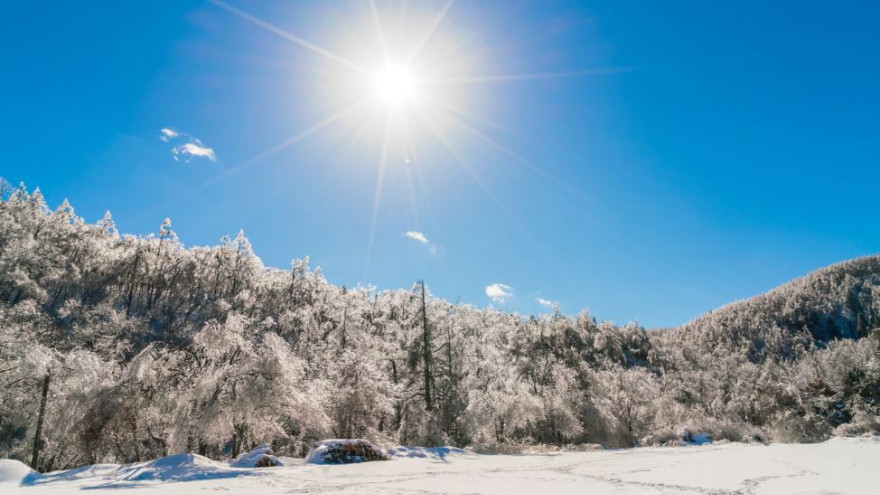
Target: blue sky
x,y
669,157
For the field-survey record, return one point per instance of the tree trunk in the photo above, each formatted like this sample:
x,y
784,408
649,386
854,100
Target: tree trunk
x,y
38,435
131,281
344,316
426,350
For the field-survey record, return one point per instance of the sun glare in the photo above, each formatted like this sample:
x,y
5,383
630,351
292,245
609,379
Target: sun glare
x,y
395,84
422,73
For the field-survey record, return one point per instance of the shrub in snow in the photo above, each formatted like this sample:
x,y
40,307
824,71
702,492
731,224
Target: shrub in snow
x,y
345,452
665,439
701,439
584,447
865,422
261,456
425,452
510,449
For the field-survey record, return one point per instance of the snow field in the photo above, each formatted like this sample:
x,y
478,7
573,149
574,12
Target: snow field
x,y
840,466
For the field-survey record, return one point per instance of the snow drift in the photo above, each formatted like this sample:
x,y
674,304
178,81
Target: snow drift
x,y
173,468
179,467
14,472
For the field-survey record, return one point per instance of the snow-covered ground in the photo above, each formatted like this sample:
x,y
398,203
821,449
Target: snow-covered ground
x,y
840,466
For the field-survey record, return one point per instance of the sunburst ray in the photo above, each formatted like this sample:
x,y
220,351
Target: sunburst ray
x,y
409,154
514,157
287,143
470,115
534,76
539,248
465,165
377,197
290,36
383,43
429,33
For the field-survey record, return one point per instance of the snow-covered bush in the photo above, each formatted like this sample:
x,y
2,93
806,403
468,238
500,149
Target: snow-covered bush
x,y
345,452
260,457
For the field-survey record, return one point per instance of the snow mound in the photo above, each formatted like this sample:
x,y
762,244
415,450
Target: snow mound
x,y
438,453
178,467
261,456
345,451
16,473
90,471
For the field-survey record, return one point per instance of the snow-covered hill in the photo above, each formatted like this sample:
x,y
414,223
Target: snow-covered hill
x,y
840,466
119,349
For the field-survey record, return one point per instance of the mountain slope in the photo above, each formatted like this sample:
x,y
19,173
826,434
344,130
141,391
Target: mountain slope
x,y
839,301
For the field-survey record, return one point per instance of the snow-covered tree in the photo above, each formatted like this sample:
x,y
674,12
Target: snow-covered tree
x,y
150,347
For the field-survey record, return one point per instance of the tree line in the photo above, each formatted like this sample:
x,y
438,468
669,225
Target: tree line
x,y
121,348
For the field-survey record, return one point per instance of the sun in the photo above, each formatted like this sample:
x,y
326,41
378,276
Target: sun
x,y
395,84
413,72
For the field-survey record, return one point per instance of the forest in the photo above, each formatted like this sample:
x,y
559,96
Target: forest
x,y
122,348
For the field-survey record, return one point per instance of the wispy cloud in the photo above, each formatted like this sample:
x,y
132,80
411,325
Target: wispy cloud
x,y
193,150
499,293
168,134
547,303
186,151
421,239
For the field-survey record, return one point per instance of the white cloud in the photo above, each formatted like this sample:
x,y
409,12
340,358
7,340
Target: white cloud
x,y
422,239
193,149
417,236
499,292
547,303
168,134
